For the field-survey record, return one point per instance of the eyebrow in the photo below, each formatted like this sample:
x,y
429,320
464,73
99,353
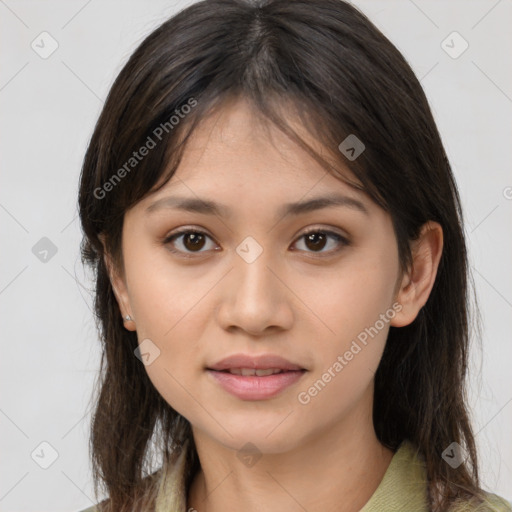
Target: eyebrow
x,y
207,207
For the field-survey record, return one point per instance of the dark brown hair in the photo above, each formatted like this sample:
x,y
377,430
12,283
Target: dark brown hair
x,y
325,63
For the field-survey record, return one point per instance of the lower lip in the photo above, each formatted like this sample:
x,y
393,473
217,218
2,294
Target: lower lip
x,y
254,387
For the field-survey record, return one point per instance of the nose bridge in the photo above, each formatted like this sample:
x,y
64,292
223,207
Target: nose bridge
x,y
254,278
255,298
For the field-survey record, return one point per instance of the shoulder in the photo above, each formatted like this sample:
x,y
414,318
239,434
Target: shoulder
x,y
147,480
493,503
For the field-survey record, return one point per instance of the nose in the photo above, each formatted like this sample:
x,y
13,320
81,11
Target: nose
x,y
255,298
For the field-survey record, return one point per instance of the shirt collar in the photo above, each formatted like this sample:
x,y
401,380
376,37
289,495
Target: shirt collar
x,y
404,485
402,488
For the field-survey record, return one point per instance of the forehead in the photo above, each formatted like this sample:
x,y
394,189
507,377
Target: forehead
x,y
238,163
236,146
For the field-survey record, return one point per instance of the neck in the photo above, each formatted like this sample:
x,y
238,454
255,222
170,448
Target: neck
x,y
337,469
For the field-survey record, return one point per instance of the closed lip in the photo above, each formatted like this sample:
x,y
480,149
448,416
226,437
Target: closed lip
x,y
262,362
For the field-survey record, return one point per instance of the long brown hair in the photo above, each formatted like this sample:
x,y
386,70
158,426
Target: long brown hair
x,y
339,75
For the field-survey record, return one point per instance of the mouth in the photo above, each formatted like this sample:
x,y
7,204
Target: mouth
x,y
255,378
248,363
250,372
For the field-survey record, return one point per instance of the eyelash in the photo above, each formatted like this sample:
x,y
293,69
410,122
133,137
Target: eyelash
x,y
343,241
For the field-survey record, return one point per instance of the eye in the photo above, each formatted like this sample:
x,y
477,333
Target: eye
x,y
187,241
316,240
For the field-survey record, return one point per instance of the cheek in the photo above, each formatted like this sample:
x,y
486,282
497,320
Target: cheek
x,y
354,296
355,304
163,295
347,360
167,307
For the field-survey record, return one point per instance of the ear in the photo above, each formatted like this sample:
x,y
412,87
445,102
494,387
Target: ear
x,y
119,287
418,281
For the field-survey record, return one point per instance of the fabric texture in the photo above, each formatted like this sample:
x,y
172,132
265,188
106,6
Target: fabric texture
x,y
402,489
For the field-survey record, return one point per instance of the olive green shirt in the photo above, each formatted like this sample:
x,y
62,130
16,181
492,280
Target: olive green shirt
x,y
402,489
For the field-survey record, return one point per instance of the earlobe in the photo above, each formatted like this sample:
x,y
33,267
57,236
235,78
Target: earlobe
x,y
418,281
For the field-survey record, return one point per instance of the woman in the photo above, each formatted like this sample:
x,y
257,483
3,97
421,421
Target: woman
x,y
281,272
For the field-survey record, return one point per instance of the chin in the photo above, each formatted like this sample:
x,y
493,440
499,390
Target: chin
x,y
268,433
259,442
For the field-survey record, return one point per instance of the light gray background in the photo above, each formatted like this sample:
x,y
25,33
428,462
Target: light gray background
x,y
50,352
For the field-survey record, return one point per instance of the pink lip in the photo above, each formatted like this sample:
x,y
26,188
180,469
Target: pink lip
x,y
257,362
256,388
253,387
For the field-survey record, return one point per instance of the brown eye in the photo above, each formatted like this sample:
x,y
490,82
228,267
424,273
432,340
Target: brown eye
x,y
315,241
193,241
187,242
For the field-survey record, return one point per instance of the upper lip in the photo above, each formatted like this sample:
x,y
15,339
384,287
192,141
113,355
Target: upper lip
x,y
262,362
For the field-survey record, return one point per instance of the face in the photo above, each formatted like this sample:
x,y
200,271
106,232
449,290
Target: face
x,y
251,279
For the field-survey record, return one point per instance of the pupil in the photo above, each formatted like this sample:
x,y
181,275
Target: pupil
x,y
196,239
315,236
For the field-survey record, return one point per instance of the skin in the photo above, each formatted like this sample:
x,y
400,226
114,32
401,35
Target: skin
x,y
304,304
